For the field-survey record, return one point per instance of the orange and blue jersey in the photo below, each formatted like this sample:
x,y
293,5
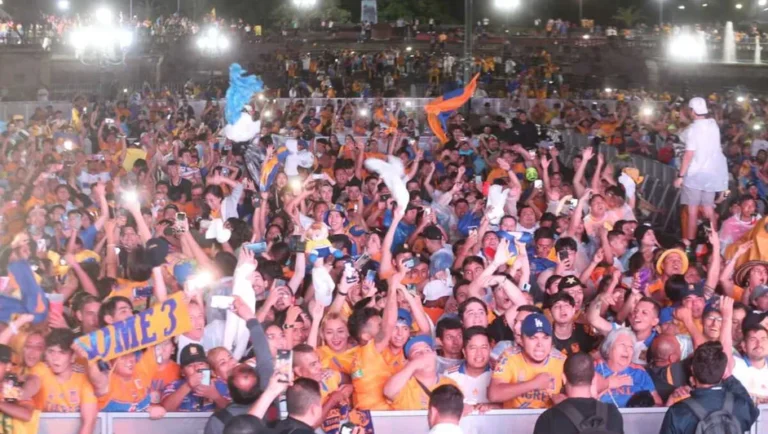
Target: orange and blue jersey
x,y
439,109
641,381
132,394
194,403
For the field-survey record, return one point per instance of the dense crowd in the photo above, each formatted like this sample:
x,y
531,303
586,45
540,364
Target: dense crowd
x,y
506,270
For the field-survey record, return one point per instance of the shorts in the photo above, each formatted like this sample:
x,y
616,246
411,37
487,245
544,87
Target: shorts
x,y
693,197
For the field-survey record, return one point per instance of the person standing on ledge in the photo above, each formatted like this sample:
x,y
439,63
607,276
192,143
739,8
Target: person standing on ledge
x,y
704,169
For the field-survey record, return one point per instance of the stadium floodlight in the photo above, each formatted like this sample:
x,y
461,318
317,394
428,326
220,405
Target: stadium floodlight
x,y
63,5
212,41
739,6
687,47
647,110
305,4
103,15
506,4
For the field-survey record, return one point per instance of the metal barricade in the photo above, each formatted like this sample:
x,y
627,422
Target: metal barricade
x,y
69,423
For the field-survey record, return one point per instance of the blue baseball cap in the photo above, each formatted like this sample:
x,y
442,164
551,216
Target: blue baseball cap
x,y
427,339
182,271
535,323
403,316
666,315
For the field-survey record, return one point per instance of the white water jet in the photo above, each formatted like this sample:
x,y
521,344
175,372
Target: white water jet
x,y
758,59
729,44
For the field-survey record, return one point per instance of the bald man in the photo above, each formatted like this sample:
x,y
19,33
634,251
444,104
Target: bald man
x,y
665,368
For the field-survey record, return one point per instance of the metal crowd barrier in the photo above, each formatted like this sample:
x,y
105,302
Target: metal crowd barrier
x,y
636,421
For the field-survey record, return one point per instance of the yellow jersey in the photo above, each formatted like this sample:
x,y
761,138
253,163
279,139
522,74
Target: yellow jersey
x,y
370,372
64,396
341,362
413,396
513,368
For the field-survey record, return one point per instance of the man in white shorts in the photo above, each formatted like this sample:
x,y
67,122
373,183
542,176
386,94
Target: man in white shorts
x,y
704,170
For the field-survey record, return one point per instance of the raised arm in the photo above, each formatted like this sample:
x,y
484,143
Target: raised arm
x,y
389,318
386,245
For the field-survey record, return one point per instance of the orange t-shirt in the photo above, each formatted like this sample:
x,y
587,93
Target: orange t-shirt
x,y
413,396
132,394
341,362
370,372
64,396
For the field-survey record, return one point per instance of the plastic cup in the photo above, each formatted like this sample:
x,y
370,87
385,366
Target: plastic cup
x,y
56,303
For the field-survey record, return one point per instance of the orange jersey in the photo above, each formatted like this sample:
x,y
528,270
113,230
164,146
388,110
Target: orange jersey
x,y
370,372
341,362
131,394
164,375
64,396
513,368
329,384
413,395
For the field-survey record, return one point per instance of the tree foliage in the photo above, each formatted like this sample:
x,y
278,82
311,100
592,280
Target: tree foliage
x,y
391,10
628,16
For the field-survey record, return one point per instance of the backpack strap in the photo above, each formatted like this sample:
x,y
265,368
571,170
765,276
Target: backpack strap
x,y
728,405
602,412
572,414
698,410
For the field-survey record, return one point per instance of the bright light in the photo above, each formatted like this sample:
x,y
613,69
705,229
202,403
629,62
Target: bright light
x,y
363,112
757,127
68,145
585,36
409,103
125,90
267,114
304,4
63,5
681,7
739,6
409,49
125,38
103,15
200,280
704,5
506,4
647,111
740,99
762,2
130,196
608,90
686,47
212,40
260,97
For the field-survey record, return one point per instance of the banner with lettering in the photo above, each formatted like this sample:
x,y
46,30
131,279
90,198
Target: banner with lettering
x,y
339,416
369,11
150,327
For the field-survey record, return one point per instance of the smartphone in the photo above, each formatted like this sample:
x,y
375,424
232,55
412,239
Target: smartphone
x,y
257,248
295,184
532,153
411,287
225,171
42,245
427,211
573,203
384,197
411,263
296,244
222,301
347,428
726,193
280,283
144,292
284,365
318,176
478,179
538,184
206,380
181,216
472,230
256,201
109,121
349,272
562,255
370,276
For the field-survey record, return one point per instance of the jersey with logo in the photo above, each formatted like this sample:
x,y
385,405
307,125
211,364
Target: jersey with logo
x,y
64,396
475,389
580,341
131,394
619,396
192,402
370,372
414,395
329,384
341,362
513,368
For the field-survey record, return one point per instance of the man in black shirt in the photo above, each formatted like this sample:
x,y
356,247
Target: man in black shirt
x,y
177,186
579,411
305,411
524,131
569,337
665,367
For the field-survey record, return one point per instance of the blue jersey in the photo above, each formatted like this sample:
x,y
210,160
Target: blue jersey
x,y
193,402
641,381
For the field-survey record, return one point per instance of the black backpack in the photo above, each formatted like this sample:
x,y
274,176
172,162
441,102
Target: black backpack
x,y
717,422
595,424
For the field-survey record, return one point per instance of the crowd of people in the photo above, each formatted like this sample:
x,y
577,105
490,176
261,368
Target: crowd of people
x,y
508,277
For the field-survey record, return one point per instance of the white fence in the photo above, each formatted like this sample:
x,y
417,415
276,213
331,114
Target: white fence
x,y
636,421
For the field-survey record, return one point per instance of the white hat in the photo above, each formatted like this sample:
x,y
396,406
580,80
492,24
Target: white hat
x,y
698,105
437,289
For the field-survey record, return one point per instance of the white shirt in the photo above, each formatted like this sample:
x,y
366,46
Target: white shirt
x,y
446,428
708,170
757,146
475,389
754,380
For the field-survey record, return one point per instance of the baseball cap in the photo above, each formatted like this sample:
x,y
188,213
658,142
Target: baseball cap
x,y
439,261
427,339
569,282
692,290
759,291
710,308
535,323
5,354
437,289
156,251
182,271
432,232
698,105
192,353
403,316
666,315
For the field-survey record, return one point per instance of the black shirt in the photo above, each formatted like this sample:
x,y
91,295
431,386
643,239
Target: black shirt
x,y
580,341
293,426
668,378
526,134
554,420
499,330
184,188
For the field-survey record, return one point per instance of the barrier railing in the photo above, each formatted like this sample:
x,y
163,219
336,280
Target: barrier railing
x,y
636,421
